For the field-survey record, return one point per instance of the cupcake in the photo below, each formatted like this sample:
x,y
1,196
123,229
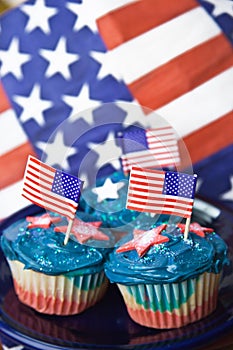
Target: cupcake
x,y
167,281
49,276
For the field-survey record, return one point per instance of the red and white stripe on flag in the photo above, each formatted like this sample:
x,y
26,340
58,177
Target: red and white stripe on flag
x,y
37,187
176,61
146,193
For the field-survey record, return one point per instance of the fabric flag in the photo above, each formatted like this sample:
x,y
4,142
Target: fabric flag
x,y
51,189
173,58
150,148
164,192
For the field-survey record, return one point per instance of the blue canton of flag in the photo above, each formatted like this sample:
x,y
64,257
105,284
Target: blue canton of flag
x,y
164,192
179,184
51,189
67,185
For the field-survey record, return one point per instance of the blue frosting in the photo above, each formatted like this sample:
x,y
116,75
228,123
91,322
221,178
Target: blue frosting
x,y
113,212
173,261
43,250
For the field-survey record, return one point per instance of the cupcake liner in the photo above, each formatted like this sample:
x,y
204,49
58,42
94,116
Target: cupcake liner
x,y
60,295
172,305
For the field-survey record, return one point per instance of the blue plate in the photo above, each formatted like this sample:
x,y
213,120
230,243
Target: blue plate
x,y
107,324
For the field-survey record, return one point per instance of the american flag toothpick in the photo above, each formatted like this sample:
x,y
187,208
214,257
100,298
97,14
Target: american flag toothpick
x,y
164,192
52,189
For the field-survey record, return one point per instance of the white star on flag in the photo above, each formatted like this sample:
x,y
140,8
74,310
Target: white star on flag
x,y
221,7
85,17
57,153
38,15
33,106
13,60
59,59
79,104
109,64
109,190
108,152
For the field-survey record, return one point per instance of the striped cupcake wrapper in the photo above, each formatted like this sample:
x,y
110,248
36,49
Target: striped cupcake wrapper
x,y
60,295
172,305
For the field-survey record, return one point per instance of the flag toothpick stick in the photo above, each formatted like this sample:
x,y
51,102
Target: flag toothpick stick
x,y
186,231
67,236
64,190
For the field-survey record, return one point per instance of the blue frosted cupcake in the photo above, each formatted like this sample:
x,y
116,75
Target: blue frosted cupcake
x,y
48,276
165,280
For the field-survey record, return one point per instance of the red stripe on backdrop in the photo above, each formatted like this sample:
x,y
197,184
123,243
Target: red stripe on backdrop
x,y
183,73
14,163
136,18
5,104
216,140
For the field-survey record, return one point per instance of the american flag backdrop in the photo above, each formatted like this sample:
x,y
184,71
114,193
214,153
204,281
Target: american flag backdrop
x,y
95,67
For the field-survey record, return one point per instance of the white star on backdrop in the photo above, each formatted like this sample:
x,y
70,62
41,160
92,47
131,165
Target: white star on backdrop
x,y
221,7
134,113
39,16
229,194
108,152
109,190
80,103
109,64
91,10
12,59
57,153
59,59
33,106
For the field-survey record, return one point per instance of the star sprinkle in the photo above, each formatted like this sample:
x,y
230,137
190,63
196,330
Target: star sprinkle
x,y
196,228
43,221
83,231
143,240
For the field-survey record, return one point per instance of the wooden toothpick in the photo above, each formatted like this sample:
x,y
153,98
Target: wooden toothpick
x,y
68,232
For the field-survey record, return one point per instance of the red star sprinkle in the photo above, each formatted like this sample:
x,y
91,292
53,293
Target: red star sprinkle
x,y
143,240
43,221
196,228
83,231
